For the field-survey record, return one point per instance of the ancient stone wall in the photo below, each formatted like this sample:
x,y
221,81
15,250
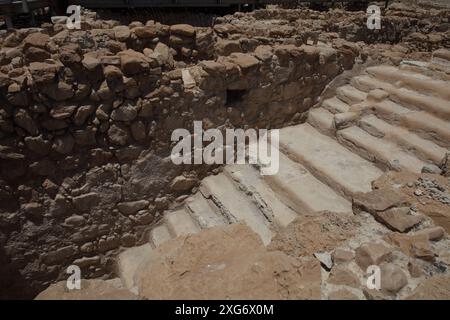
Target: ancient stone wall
x,y
86,118
85,123
420,29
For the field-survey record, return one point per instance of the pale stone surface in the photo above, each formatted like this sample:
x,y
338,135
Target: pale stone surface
x,y
226,263
90,290
417,246
372,254
392,278
399,219
434,288
129,261
329,159
343,276
342,255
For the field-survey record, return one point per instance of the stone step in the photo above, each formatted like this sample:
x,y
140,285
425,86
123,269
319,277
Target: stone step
x,y
235,205
442,54
412,80
424,149
345,119
350,94
129,260
381,151
180,223
327,160
434,105
437,68
303,192
440,65
436,129
159,235
405,97
426,125
252,183
442,68
204,211
322,119
367,83
334,105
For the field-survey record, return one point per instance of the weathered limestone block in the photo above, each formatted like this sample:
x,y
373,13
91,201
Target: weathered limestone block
x,y
185,30
122,33
44,73
372,254
227,47
133,62
145,32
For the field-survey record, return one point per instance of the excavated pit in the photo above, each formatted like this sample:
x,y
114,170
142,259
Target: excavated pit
x,y
86,118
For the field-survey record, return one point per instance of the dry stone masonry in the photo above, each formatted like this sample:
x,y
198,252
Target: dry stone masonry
x,y
393,214
86,118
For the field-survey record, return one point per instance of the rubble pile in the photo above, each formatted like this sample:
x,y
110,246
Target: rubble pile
x,y
417,29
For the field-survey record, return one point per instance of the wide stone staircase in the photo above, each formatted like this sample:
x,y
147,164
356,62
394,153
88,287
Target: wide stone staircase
x,y
387,118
